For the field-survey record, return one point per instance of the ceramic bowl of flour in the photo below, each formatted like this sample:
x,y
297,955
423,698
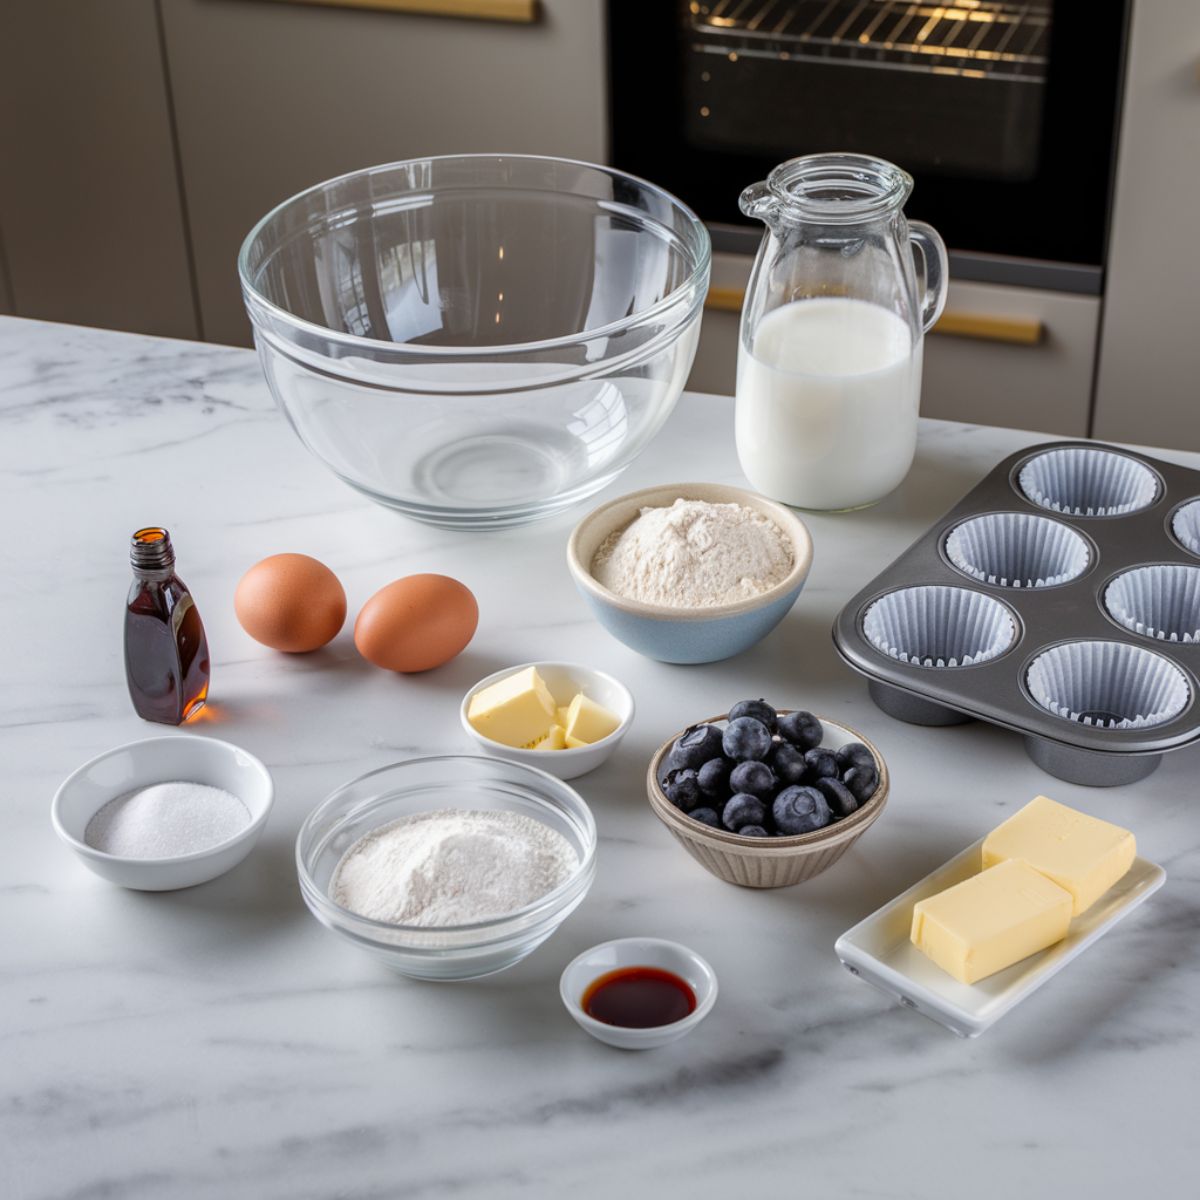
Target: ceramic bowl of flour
x,y
683,631
175,758
425,937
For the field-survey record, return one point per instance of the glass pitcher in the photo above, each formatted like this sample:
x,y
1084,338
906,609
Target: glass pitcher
x,y
829,354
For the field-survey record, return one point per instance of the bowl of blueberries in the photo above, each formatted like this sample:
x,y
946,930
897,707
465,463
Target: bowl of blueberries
x,y
766,797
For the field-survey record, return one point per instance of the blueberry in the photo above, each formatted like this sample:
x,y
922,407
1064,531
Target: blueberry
x,y
838,796
760,710
743,809
706,816
754,778
800,810
821,764
788,763
752,831
854,754
862,782
682,788
802,729
713,778
746,738
695,746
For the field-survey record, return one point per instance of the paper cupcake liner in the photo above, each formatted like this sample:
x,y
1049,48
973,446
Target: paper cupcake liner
x,y
1018,550
939,626
1161,602
1185,525
1112,685
1084,482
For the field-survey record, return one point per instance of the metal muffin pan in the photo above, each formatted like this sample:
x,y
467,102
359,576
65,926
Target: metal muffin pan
x,y
1002,612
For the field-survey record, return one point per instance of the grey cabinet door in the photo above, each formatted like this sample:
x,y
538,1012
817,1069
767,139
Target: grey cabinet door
x,y
90,210
271,98
1148,386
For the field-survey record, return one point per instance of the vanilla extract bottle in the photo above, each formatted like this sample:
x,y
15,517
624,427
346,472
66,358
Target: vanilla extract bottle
x,y
166,651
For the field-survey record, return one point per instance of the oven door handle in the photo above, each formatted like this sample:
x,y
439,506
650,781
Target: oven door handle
x,y
984,327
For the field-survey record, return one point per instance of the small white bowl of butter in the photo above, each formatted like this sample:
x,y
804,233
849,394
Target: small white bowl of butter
x,y
585,714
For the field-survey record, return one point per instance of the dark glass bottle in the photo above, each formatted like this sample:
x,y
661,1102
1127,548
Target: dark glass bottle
x,y
166,652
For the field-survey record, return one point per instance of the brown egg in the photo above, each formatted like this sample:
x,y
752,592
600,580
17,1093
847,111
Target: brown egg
x,y
416,623
290,602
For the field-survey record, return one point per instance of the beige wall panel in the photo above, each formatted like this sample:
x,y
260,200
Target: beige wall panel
x,y
1148,387
1046,386
273,97
89,197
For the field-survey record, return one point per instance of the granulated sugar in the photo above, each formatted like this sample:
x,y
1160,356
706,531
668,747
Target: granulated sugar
x,y
694,554
167,820
451,868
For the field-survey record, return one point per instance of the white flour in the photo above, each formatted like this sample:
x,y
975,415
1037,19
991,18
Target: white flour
x,y
694,555
451,868
167,820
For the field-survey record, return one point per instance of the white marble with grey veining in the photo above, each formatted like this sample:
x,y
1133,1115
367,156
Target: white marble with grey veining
x,y
217,1042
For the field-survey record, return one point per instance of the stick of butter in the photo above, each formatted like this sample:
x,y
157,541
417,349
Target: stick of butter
x,y
992,920
1080,853
516,711
555,740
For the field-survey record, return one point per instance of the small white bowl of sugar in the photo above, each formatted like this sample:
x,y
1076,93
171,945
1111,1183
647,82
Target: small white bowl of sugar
x,y
164,813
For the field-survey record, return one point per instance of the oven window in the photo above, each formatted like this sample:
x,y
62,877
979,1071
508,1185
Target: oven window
x,y
951,89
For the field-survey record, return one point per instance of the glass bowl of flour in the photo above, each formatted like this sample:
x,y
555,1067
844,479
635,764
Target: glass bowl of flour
x,y
447,868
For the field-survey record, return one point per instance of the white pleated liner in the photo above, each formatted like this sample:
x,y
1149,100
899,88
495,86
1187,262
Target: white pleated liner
x,y
1112,685
936,626
1185,525
1161,602
1018,550
1084,482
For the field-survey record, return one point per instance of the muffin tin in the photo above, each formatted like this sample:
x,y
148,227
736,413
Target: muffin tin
x,y
1060,598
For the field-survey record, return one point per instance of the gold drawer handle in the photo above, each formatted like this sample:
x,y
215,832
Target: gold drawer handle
x,y
1016,331
522,11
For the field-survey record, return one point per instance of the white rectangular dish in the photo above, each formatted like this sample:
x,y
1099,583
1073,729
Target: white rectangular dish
x,y
878,949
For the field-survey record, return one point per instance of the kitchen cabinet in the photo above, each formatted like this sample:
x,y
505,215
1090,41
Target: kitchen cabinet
x,y
1149,367
273,97
1031,369
90,213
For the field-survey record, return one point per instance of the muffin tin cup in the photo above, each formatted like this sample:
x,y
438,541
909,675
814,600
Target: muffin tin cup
x,y
1087,481
940,627
1185,525
1160,602
1018,550
1097,717
1112,685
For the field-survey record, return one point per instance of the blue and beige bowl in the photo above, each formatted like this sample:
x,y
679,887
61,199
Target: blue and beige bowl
x,y
686,635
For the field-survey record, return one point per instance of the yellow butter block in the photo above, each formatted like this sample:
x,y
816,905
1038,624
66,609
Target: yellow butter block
x,y
516,711
573,743
556,739
990,921
561,715
588,721
1080,853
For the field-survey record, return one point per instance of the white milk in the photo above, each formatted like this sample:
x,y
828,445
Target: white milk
x,y
827,403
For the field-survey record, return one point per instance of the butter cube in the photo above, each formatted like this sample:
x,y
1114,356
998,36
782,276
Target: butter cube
x,y
516,711
990,921
1080,853
588,721
556,739
562,715
573,743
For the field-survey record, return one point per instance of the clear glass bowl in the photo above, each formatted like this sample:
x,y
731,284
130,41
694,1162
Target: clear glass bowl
x,y
477,341
423,785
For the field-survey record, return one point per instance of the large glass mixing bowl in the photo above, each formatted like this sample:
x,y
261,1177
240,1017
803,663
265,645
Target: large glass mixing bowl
x,y
477,341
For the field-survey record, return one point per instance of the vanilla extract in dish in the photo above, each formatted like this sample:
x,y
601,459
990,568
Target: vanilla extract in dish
x,y
639,998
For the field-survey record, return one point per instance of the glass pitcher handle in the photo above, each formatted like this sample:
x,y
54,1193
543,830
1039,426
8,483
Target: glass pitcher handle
x,y
934,271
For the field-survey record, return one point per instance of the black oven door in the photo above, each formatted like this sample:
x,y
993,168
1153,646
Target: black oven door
x,y
1004,112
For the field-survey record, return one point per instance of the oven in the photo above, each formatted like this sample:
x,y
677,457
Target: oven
x,y
1004,113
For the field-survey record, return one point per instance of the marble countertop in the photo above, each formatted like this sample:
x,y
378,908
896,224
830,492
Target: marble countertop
x,y
217,1042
